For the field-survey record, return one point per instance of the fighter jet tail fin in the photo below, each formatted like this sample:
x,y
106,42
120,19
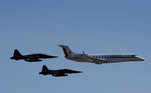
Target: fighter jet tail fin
x,y
44,68
16,53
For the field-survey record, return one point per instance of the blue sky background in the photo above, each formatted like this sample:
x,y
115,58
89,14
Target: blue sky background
x,y
95,26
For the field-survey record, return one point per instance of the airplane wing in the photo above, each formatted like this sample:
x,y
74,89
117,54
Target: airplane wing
x,y
32,59
59,75
95,60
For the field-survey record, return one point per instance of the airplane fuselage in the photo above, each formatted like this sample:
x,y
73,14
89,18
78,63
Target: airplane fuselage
x,y
98,59
57,73
108,58
31,57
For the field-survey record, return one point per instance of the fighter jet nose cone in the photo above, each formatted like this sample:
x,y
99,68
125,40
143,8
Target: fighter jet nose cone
x,y
52,56
79,71
55,57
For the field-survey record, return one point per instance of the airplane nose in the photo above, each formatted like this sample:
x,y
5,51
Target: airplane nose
x,y
141,59
55,56
78,71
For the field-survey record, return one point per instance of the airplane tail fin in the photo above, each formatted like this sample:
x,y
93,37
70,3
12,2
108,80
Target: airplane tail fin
x,y
44,68
16,53
67,51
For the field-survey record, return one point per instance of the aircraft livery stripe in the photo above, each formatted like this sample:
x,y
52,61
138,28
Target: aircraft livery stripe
x,y
65,52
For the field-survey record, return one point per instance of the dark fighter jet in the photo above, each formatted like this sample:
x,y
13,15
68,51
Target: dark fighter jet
x,y
57,73
30,58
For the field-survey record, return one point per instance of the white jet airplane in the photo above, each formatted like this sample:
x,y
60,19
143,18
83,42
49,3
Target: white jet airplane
x,y
98,59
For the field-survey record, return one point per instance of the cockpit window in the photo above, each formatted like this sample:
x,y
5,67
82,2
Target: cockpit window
x,y
69,52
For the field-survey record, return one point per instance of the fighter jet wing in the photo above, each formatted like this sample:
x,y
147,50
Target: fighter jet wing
x,y
95,60
32,59
59,75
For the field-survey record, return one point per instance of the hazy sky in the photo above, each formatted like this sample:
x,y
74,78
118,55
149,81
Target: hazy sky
x,y
93,26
